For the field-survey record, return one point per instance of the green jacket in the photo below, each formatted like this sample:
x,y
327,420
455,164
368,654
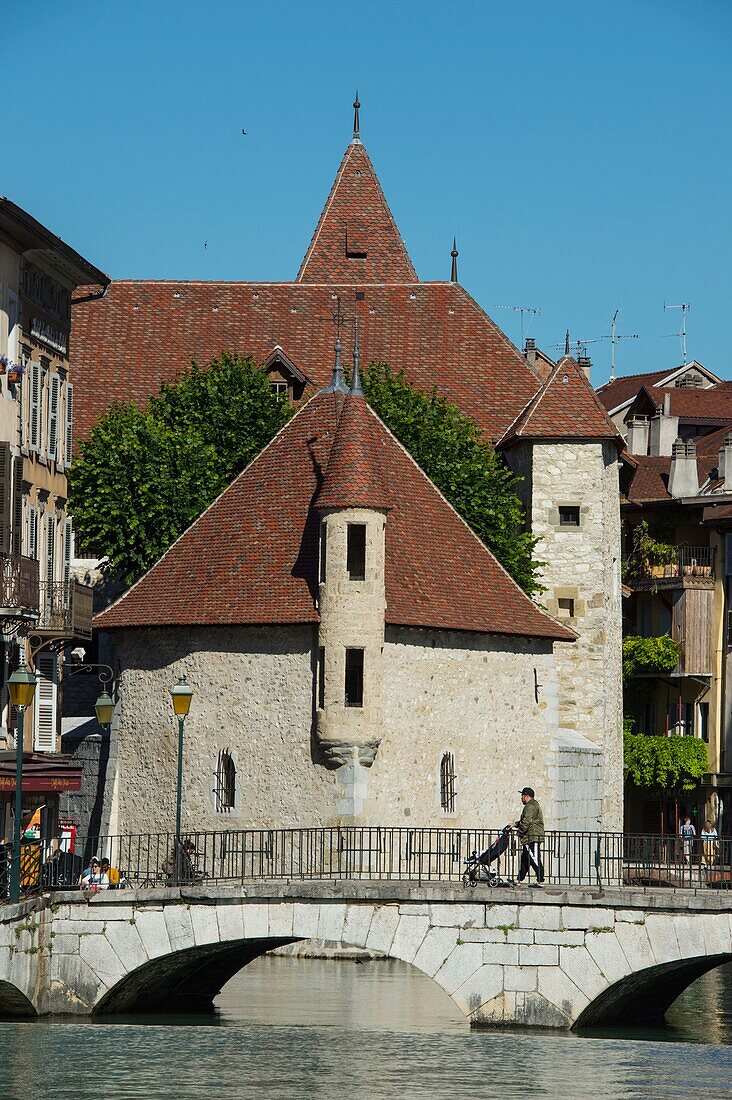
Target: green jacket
x,y
531,823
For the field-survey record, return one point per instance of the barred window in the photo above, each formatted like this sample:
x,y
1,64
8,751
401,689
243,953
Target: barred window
x,y
225,782
447,783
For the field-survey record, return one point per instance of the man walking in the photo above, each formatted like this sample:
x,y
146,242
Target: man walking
x,y
530,828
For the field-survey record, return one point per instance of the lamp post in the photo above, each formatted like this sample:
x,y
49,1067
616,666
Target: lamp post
x,y
181,695
22,688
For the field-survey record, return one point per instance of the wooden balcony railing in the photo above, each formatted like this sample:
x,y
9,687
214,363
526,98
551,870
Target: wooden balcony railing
x,y
65,609
19,590
682,562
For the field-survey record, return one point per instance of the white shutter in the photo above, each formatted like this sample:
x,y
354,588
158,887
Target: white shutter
x,y
69,423
50,551
54,383
12,326
44,726
34,423
68,549
33,532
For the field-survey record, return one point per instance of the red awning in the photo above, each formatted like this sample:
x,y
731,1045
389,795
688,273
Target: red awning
x,y
48,782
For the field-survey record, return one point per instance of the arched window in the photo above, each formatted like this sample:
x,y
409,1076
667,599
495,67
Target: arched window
x,y
447,783
225,782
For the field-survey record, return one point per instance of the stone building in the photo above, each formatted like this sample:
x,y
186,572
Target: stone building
x,y
437,333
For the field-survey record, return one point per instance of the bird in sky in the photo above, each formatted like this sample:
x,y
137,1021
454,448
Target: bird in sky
x,y
205,244
244,133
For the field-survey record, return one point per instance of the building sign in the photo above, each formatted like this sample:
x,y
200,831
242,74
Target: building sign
x,y
49,335
43,783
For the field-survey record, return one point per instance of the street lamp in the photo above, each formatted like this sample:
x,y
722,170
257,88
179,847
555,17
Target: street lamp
x,y
181,695
104,708
22,688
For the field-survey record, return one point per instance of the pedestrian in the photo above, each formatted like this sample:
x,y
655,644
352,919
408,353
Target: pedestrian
x,y
687,832
112,874
530,828
709,838
93,879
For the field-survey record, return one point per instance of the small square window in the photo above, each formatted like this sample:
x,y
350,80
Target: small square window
x,y
354,677
279,389
565,608
569,516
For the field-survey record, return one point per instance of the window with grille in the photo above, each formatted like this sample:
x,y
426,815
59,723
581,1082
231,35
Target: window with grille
x,y
225,782
447,783
569,516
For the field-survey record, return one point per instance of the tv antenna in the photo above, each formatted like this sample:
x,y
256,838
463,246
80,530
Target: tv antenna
x,y
581,345
614,336
522,310
684,307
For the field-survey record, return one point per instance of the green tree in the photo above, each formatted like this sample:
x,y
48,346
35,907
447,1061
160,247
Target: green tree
x,y
449,447
671,764
144,476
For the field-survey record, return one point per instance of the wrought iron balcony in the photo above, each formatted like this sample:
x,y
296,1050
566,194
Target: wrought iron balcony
x,y
19,590
65,609
683,566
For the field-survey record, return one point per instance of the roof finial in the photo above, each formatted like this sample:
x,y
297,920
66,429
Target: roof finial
x,y
356,388
454,254
337,382
356,128
566,343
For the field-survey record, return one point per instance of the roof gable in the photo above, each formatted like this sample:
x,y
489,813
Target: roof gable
x,y
566,407
356,238
253,553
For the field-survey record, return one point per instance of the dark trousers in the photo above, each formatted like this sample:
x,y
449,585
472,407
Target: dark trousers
x,y
531,857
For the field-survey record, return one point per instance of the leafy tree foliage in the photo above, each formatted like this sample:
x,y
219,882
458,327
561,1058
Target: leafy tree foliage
x,y
474,478
143,476
649,655
664,763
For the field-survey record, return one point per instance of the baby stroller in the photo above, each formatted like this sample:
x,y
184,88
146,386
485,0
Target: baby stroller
x,y
477,867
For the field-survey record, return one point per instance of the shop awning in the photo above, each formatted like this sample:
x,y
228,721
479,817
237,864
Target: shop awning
x,y
42,774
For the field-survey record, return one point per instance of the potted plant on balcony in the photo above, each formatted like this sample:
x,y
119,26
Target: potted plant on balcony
x,y
3,363
15,372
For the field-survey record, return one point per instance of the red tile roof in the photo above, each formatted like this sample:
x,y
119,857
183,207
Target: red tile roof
x,y
650,479
144,333
252,556
616,393
356,239
566,406
353,477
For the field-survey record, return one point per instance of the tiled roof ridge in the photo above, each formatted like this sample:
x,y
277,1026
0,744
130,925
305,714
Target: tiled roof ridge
x,y
522,424
352,150
482,546
154,567
638,374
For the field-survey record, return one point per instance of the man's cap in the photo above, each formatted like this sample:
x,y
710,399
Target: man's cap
x,y
528,791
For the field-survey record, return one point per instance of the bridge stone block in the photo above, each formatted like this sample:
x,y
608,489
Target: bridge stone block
x,y
230,921
633,939
332,920
383,928
102,960
205,924
460,965
569,937
540,916
280,919
608,955
586,918
521,978
73,988
578,964
180,926
409,936
500,916
689,935
561,992
81,927
66,945
114,912
304,921
436,946
538,955
456,916
256,920
716,938
124,939
480,988
504,954
520,935
357,924
153,932
662,937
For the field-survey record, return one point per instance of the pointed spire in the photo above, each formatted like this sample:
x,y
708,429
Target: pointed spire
x,y
337,383
356,126
454,254
356,388
566,343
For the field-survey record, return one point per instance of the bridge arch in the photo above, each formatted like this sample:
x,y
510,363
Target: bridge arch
x,y
13,1002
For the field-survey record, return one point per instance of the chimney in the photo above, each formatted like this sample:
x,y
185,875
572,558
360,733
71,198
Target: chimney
x,y
638,435
585,363
724,465
530,352
664,429
683,478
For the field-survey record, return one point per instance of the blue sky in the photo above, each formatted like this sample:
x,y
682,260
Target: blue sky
x,y
579,150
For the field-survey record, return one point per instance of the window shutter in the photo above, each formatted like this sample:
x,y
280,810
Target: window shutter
x,y
44,739
33,532
5,497
69,423
54,383
34,434
50,551
68,549
18,505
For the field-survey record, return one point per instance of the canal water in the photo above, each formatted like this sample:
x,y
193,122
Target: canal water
x,y
337,1030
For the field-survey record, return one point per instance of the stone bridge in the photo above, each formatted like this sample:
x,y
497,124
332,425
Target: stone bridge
x,y
562,959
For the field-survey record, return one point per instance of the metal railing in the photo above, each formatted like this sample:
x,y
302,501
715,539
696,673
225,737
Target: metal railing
x,y
421,855
66,608
681,561
19,583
